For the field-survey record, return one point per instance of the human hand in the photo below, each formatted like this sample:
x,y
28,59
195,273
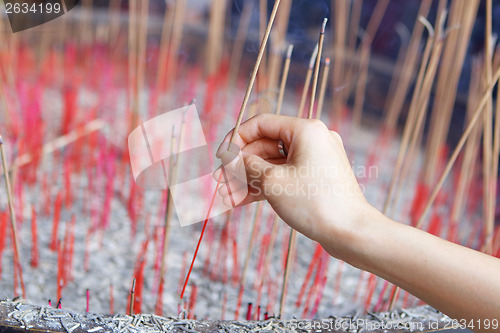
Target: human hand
x,y
313,189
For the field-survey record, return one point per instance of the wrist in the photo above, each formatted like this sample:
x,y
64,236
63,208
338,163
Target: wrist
x,y
354,240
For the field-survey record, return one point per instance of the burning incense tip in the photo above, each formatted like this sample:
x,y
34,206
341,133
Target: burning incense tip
x,y
323,27
1,140
289,52
327,61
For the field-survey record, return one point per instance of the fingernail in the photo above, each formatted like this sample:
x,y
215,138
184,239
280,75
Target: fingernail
x,y
228,157
227,147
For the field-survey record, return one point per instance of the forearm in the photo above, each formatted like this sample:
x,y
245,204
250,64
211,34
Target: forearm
x,y
463,283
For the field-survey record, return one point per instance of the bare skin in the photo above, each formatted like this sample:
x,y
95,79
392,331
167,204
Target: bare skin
x,y
460,282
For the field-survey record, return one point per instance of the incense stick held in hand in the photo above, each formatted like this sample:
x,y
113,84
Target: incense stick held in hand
x,y
236,128
293,234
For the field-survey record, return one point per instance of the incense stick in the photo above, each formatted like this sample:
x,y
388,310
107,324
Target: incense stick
x,y
239,42
462,13
175,40
215,35
307,82
261,78
477,113
316,69
255,70
172,177
361,87
496,148
412,115
322,91
340,15
470,150
238,123
141,52
17,261
293,233
411,56
61,142
284,79
488,203
132,62
164,47
132,299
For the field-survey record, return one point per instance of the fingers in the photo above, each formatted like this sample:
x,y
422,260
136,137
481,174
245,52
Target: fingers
x,y
231,147
232,197
241,197
269,126
232,168
265,126
264,148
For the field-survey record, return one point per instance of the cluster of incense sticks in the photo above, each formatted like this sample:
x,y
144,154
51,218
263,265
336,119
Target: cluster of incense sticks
x,y
74,224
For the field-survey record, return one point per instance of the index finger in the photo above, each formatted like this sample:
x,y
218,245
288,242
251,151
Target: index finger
x,y
265,126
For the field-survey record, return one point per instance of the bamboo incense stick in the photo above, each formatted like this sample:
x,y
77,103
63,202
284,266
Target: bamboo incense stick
x,y
322,91
496,149
288,266
412,116
257,217
175,40
170,179
61,142
279,41
246,263
255,70
462,14
274,230
132,299
488,204
361,86
215,35
238,123
282,23
404,79
470,150
293,234
172,174
341,13
141,53
284,79
164,46
316,69
239,42
132,62
261,78
355,16
307,83
477,113
421,97
114,21
17,259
